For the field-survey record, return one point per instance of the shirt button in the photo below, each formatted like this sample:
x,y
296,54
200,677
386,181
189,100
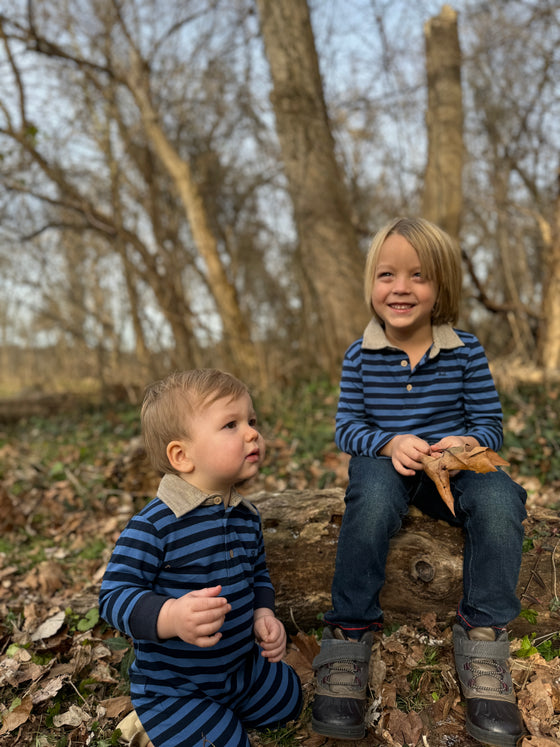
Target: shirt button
x,y
404,363
409,387
217,499
231,553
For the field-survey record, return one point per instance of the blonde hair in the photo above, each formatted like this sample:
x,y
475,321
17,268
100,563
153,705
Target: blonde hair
x,y
170,403
440,260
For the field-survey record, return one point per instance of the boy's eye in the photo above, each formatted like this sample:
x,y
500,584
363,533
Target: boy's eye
x,y
253,422
231,424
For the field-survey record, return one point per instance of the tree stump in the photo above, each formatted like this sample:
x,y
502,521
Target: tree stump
x,y
424,567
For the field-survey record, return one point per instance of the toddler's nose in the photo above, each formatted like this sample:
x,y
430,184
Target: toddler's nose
x,y
252,433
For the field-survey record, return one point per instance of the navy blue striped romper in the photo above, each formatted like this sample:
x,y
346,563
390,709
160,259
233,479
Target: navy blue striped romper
x,y
185,695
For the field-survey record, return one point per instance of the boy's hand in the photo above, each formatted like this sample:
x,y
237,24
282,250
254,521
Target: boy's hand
x,y
449,442
405,451
195,617
270,634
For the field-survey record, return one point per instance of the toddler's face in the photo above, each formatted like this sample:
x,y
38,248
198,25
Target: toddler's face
x,y
225,446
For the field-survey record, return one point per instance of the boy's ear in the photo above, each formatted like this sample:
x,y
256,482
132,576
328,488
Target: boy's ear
x,y
178,456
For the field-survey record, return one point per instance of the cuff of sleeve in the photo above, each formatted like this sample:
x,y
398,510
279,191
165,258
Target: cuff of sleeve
x,y
144,616
264,597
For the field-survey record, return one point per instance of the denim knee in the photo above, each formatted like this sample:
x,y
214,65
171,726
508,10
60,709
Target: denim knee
x,y
493,501
376,496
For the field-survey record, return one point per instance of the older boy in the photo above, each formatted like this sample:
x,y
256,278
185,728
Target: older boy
x,y
188,579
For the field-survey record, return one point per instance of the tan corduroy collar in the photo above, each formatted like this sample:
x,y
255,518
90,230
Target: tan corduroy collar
x,y
181,497
444,338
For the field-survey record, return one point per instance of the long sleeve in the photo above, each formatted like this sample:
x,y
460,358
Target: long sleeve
x,y
127,600
357,432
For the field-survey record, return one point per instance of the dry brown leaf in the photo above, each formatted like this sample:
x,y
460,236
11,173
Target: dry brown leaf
x,y
74,716
14,719
479,459
429,621
10,514
47,577
50,627
539,742
49,689
537,699
307,645
406,728
300,654
114,707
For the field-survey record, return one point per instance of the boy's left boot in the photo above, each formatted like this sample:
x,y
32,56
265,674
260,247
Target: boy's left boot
x,y
481,660
342,668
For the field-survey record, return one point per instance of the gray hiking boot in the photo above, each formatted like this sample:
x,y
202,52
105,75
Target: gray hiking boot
x,y
481,660
342,676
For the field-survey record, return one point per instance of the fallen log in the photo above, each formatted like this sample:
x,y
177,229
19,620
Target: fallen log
x,y
424,567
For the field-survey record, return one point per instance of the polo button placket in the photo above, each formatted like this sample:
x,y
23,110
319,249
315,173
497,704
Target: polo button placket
x,y
404,364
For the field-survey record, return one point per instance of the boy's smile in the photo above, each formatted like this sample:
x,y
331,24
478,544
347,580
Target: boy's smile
x,y
401,296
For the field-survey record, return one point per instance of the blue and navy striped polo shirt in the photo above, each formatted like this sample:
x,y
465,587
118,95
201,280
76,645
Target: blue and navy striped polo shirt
x,y
449,392
185,540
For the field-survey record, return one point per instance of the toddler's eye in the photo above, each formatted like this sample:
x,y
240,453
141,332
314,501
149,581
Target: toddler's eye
x,y
232,424
253,422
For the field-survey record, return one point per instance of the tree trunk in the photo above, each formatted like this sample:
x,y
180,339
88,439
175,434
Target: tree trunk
x,y
424,567
332,264
549,331
443,197
236,334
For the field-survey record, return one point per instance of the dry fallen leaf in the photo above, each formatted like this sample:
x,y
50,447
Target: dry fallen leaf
x,y
49,689
74,716
300,654
474,458
17,716
49,627
114,707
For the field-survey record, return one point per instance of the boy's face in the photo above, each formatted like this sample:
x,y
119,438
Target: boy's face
x,y
401,296
224,447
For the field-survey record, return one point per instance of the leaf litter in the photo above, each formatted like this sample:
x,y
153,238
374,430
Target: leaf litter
x,y
63,671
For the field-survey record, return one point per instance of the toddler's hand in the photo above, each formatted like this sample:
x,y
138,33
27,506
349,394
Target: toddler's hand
x,y
195,617
271,635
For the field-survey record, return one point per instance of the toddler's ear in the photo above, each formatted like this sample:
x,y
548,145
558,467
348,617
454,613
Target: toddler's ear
x,y
178,456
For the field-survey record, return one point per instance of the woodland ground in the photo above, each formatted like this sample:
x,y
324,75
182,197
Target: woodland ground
x,y
70,481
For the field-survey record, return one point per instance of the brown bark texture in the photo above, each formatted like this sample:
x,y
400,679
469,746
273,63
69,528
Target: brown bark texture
x,y
442,197
331,259
549,337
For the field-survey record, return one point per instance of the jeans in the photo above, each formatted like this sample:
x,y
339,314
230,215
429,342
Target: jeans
x,y
489,507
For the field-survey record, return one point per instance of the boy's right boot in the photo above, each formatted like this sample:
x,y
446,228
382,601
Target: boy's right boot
x,y
481,660
342,668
